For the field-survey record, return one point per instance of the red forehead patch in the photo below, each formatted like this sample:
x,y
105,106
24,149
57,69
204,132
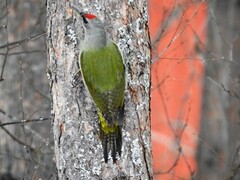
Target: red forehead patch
x,y
89,16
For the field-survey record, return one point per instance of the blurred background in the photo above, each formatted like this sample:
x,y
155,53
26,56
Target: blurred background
x,y
26,150
195,90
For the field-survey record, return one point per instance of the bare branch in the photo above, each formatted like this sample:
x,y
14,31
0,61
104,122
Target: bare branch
x,y
21,121
235,167
16,139
25,121
222,86
24,52
6,54
177,34
15,44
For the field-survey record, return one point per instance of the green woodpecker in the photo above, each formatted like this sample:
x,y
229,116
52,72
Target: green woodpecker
x,y
103,72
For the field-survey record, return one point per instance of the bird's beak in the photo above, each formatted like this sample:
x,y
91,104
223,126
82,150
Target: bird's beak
x,y
77,10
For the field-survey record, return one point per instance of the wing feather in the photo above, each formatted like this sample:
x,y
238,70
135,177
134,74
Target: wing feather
x,y
104,76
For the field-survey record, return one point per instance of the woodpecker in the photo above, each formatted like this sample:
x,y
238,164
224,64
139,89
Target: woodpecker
x,y
103,72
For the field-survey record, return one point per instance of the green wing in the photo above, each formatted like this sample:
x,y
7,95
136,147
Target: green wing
x,y
104,76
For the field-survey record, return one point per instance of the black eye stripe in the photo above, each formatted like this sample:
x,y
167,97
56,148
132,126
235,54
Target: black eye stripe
x,y
85,20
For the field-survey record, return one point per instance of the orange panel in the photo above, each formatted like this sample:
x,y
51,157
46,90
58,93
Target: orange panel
x,y
177,74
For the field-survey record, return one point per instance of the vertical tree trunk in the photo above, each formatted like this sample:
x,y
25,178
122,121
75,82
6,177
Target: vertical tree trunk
x,y
75,123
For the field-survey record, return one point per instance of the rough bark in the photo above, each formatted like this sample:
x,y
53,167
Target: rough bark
x,y
75,124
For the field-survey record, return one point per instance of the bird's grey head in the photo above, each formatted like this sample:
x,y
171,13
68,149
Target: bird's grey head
x,y
92,24
95,34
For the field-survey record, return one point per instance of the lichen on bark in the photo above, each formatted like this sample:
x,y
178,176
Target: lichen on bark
x,y
75,123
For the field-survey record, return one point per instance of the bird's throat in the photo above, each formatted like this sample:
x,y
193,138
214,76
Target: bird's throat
x,y
95,41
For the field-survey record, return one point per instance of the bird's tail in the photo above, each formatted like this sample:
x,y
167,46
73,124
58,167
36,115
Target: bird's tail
x,y
111,141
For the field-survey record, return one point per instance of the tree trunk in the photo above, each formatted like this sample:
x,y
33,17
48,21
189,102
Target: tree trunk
x,y
78,149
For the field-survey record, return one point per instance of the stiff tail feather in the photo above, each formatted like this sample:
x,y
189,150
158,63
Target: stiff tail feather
x,y
111,141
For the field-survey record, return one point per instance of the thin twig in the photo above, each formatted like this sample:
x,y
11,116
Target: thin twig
x,y
221,85
24,121
7,51
16,139
15,44
24,52
177,34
